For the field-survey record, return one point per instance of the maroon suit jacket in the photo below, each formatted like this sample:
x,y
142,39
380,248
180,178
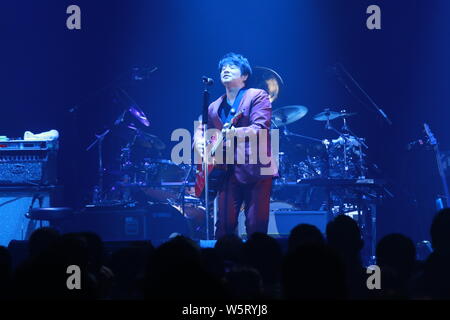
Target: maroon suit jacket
x,y
257,114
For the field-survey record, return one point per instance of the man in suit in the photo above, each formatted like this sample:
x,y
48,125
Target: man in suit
x,y
247,183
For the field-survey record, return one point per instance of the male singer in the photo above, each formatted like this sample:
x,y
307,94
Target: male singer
x,y
244,183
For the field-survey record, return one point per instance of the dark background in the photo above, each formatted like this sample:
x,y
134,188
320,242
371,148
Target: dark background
x,y
49,71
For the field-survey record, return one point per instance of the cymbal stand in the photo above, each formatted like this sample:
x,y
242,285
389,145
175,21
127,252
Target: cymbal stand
x,y
286,132
183,188
361,142
98,192
328,126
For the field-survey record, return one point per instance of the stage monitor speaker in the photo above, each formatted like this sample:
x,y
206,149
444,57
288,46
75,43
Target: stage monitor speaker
x,y
156,222
15,202
283,218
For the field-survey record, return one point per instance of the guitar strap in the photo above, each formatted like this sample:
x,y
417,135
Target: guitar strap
x,y
236,104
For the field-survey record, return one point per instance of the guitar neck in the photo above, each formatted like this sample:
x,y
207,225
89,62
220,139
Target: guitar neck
x,y
221,136
216,144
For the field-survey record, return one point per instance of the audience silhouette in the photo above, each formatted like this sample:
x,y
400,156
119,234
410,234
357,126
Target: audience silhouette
x,y
344,236
304,234
315,266
434,281
396,257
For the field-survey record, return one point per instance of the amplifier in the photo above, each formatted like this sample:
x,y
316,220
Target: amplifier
x,y
283,217
28,162
15,202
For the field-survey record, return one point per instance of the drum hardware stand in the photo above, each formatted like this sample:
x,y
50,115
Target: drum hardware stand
x,y
286,132
328,126
98,190
346,128
183,188
360,141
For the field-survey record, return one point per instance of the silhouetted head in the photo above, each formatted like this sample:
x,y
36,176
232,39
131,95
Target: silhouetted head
x,y
344,236
73,248
398,252
5,262
45,275
305,234
41,239
95,250
264,254
175,272
230,248
313,272
440,232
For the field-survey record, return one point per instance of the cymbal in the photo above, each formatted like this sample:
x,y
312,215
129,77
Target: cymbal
x,y
266,79
139,115
331,115
286,115
147,140
151,141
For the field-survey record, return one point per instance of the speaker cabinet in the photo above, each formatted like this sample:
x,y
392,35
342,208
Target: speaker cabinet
x,y
283,217
156,222
15,203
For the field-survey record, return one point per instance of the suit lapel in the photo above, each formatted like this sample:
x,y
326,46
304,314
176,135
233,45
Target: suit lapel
x,y
240,108
215,113
215,110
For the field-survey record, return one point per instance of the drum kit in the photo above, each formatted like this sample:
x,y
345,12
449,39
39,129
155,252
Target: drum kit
x,y
340,158
143,179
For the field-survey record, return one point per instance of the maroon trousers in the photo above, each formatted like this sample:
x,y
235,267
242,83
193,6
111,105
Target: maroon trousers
x,y
256,200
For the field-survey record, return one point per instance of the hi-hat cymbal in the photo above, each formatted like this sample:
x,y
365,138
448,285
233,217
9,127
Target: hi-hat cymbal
x,y
266,79
286,115
139,114
331,115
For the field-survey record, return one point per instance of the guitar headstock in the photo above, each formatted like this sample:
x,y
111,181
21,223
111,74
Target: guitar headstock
x,y
431,139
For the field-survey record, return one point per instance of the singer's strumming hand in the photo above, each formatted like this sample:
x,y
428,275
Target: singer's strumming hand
x,y
228,130
199,145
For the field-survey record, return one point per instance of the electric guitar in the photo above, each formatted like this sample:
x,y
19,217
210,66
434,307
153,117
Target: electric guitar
x,y
216,172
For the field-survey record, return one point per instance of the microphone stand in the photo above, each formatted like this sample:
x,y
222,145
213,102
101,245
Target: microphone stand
x,y
380,111
205,156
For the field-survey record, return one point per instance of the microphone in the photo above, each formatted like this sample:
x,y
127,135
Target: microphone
x,y
207,81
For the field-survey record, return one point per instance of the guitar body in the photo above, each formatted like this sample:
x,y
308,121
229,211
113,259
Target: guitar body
x,y
216,176
216,172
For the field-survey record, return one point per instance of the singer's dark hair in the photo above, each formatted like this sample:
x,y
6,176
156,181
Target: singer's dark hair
x,y
236,60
